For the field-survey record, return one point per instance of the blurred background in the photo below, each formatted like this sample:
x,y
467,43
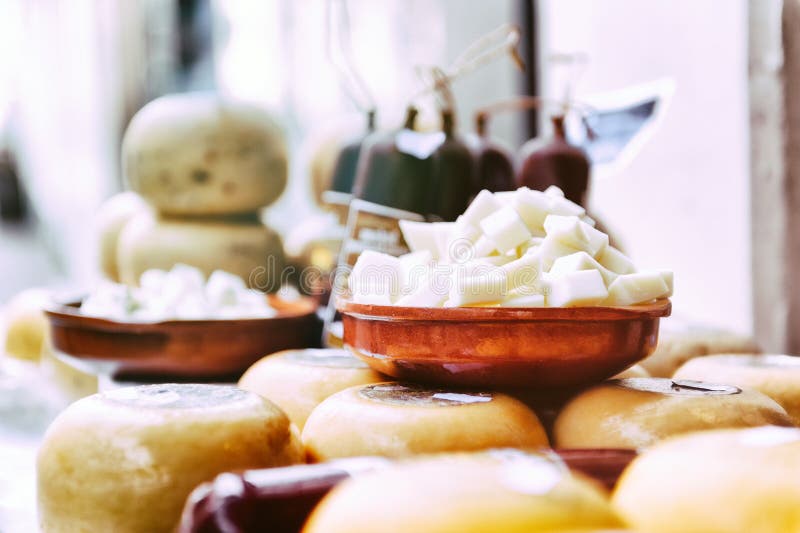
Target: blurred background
x,y
73,73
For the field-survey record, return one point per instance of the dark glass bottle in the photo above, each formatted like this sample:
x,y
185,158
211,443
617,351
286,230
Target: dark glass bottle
x,y
494,167
555,161
453,181
344,170
391,172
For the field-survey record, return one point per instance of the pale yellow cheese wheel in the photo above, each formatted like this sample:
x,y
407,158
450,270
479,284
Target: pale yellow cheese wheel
x,y
299,380
504,491
111,218
25,324
125,460
638,412
246,248
397,420
777,376
676,346
727,481
197,154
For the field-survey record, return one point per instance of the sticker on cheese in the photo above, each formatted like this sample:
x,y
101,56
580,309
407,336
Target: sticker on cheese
x,y
399,420
466,493
715,482
197,154
777,376
638,412
247,249
111,218
25,324
126,460
299,380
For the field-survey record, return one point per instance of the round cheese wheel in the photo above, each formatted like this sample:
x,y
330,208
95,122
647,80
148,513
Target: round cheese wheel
x,y
25,324
777,376
638,412
112,217
636,371
299,380
395,420
196,154
715,482
125,460
502,490
246,248
678,345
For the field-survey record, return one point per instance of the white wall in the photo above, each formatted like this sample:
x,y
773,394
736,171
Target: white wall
x,y
684,202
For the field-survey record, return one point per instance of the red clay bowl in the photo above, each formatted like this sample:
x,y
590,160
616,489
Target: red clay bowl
x,y
512,347
180,348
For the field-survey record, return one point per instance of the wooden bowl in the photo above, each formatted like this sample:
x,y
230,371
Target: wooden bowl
x,y
549,347
188,349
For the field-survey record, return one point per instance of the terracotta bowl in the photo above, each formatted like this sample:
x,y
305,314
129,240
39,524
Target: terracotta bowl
x,y
189,349
502,347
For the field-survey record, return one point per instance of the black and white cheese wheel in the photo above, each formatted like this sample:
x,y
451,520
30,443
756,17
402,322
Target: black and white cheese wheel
x,y
777,376
299,380
715,482
246,248
638,412
397,420
502,491
196,154
126,460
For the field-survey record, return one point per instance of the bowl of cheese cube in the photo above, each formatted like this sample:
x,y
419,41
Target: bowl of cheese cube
x,y
521,290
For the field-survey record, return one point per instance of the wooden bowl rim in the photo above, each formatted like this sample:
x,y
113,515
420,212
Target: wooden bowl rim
x,y
659,308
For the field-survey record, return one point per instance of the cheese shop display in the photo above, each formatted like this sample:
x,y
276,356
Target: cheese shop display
x,y
502,491
111,218
726,481
182,293
198,154
526,248
396,420
680,342
25,325
777,376
638,412
126,460
299,380
245,248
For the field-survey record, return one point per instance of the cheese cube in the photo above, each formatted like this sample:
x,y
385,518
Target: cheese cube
x,y
575,233
554,191
505,229
631,289
550,250
589,220
481,207
485,288
563,206
425,293
461,241
668,277
523,300
582,288
419,236
372,298
375,275
615,261
414,267
524,272
580,261
504,197
224,288
532,207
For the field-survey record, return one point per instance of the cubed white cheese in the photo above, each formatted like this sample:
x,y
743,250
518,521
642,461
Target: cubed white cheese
x,y
550,250
563,206
477,289
631,289
615,261
224,288
582,288
524,272
481,207
505,229
414,267
573,232
580,261
425,293
525,300
532,207
554,191
375,274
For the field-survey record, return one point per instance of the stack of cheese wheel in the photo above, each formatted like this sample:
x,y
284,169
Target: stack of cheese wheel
x,y
201,169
